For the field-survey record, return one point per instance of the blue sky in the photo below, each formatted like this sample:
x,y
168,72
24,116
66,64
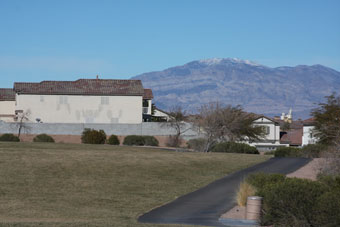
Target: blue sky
x,y
67,40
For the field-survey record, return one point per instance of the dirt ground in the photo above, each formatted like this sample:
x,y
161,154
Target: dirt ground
x,y
309,171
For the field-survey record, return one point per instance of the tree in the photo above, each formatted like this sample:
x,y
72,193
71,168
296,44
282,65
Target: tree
x,y
22,118
177,122
327,120
219,123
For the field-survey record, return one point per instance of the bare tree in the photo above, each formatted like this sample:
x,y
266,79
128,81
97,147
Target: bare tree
x,y
177,122
219,123
21,119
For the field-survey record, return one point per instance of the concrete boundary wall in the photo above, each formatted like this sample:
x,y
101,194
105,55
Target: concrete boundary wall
x,y
145,128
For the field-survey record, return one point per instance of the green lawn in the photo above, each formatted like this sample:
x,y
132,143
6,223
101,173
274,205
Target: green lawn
x,y
100,185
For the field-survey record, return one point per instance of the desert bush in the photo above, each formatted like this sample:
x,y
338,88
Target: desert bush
x,y
313,150
327,210
150,141
260,180
113,140
245,189
9,137
298,202
308,151
197,144
134,140
92,136
288,152
292,202
232,147
43,138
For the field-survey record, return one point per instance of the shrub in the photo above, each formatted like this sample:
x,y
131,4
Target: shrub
x,y
313,150
9,137
92,136
43,138
197,144
232,147
150,141
292,202
134,140
113,140
243,192
260,180
288,152
298,202
327,210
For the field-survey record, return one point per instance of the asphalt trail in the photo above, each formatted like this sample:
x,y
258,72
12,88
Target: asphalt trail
x,y
207,204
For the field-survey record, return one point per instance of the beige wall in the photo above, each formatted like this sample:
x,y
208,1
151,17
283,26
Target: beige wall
x,y
81,109
7,108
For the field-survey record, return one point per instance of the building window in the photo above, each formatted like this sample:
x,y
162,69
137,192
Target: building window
x,y
104,100
145,103
266,130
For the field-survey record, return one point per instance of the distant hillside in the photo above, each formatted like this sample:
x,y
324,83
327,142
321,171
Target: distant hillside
x,y
257,88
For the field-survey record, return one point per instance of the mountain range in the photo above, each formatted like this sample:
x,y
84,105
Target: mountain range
x,y
257,88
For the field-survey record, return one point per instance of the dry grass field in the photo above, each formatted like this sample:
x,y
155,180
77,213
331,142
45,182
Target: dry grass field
x,y
45,184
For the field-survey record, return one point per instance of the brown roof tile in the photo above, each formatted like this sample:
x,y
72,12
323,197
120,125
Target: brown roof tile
x,y
7,94
148,94
293,137
309,122
82,87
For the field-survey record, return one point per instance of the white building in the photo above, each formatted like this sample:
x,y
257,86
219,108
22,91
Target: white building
x,y
161,115
271,139
308,136
7,104
82,101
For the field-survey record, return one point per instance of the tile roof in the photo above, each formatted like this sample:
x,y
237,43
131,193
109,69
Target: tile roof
x,y
309,122
82,87
292,137
7,94
148,94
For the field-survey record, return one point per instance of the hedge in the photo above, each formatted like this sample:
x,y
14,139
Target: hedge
x,y
43,138
9,137
232,147
298,202
92,136
113,140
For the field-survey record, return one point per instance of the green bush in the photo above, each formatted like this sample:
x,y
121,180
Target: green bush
x,y
288,152
9,137
134,140
92,136
150,141
292,202
298,202
260,180
327,210
113,140
43,138
313,150
232,147
197,144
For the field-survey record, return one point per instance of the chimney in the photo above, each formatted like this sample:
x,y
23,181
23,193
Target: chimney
x,y
97,77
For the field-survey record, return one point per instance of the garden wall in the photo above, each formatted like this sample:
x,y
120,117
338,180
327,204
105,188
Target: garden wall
x,y
70,133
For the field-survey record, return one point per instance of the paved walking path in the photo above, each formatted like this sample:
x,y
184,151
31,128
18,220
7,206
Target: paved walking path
x,y
206,205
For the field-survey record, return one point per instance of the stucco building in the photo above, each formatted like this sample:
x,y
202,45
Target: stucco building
x,y
271,138
83,101
7,104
